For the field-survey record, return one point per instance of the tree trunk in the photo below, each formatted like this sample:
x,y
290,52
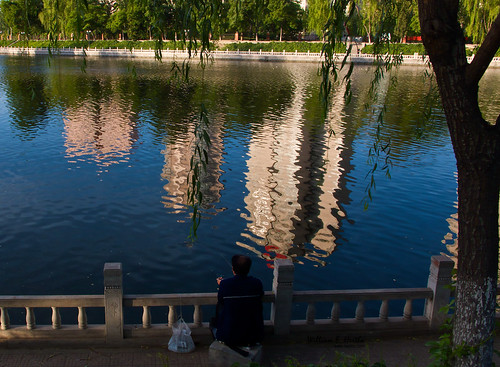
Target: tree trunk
x,y
476,144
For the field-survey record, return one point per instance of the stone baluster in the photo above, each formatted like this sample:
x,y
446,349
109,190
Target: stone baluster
x,y
30,318
146,317
197,316
439,280
310,314
56,318
113,302
172,316
281,309
4,318
360,311
384,310
335,315
82,318
408,310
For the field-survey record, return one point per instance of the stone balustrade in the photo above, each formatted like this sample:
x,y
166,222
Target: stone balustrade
x,y
260,55
283,300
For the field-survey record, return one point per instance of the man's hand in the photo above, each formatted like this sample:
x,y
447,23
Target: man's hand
x,y
219,279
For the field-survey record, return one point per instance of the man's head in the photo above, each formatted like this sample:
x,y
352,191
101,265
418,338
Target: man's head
x,y
241,264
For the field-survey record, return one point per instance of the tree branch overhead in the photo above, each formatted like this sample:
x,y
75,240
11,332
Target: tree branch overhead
x,y
485,54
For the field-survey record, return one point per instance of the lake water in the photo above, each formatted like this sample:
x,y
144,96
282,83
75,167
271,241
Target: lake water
x,y
94,167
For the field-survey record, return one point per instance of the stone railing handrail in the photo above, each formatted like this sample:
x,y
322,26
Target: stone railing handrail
x,y
179,299
172,300
361,294
52,301
282,299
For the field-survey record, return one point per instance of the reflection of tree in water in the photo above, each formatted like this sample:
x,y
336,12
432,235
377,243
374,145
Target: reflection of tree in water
x,y
28,103
236,103
296,173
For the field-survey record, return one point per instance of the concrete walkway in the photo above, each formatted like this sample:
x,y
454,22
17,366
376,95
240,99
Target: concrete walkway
x,y
394,352
400,352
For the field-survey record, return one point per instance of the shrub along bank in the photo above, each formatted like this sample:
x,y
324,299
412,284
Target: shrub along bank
x,y
396,48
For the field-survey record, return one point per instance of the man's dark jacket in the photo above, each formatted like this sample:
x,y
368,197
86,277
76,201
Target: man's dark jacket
x,y
239,311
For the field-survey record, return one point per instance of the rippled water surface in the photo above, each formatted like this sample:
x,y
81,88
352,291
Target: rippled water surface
x,y
94,169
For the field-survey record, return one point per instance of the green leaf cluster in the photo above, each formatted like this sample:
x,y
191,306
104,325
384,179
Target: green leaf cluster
x,y
280,47
477,17
257,19
395,49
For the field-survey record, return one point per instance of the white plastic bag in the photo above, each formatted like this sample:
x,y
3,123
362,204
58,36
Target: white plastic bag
x,y
181,341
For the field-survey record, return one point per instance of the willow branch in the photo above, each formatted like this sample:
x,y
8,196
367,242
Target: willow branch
x,y
485,54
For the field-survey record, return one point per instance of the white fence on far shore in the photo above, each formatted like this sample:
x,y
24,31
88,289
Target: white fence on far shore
x,y
282,56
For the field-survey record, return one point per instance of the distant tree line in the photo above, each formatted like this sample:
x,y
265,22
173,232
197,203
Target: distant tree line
x,y
252,19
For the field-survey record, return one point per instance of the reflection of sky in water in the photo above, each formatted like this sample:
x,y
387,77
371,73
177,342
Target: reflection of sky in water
x,y
86,180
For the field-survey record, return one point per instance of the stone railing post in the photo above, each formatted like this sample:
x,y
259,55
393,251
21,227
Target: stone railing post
x,y
113,302
281,309
439,281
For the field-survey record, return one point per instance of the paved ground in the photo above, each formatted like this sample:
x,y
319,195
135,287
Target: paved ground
x,y
403,352
394,352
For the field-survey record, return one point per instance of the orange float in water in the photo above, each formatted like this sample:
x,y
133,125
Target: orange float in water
x,y
271,247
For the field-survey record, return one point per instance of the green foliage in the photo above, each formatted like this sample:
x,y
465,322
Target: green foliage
x,y
283,17
197,168
478,16
21,16
339,13
102,44
247,16
161,19
281,46
443,352
317,15
198,19
395,49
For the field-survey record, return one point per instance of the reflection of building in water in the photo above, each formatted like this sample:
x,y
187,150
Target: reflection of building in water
x,y
293,171
450,240
103,132
178,151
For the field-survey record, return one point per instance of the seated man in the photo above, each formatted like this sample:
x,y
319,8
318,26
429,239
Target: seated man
x,y
239,319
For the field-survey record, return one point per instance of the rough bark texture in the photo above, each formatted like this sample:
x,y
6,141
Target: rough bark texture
x,y
476,144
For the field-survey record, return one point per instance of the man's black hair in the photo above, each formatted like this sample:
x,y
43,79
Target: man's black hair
x,y
241,264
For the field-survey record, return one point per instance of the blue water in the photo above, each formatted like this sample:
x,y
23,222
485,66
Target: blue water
x,y
94,169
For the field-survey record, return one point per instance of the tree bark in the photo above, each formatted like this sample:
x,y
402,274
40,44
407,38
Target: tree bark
x,y
476,144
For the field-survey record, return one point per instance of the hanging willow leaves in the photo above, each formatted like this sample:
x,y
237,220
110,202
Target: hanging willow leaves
x,y
333,33
379,154
197,25
197,168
